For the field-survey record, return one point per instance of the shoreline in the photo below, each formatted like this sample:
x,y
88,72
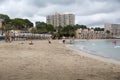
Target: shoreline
x,y
97,57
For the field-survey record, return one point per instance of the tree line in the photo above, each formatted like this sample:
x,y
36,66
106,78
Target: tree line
x,y
17,23
67,31
42,27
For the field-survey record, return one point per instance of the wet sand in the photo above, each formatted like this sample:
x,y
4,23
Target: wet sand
x,y
44,61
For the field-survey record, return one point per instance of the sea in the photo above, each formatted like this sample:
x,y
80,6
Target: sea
x,y
109,49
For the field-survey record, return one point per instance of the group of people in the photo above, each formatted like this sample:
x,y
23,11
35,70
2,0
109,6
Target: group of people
x,y
68,41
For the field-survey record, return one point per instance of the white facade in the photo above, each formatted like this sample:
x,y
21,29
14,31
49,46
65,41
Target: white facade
x,y
113,28
60,19
90,34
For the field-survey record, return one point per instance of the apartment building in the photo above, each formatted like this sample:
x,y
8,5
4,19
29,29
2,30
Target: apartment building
x,y
113,28
90,34
60,20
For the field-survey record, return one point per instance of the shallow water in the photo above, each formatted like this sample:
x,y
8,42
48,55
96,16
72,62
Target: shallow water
x,y
103,48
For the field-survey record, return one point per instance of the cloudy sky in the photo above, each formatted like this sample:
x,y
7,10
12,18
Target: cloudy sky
x,y
88,12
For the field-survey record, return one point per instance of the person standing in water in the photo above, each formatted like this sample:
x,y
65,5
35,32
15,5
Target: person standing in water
x,y
114,42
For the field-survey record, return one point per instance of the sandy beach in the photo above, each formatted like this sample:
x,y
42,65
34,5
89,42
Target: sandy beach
x,y
44,61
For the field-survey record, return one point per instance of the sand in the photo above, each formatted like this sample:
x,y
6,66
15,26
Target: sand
x,y
44,61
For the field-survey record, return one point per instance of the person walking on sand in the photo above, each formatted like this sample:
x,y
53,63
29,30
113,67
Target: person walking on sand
x,y
49,41
64,41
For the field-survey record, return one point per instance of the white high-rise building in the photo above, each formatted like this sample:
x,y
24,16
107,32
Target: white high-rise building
x,y
60,20
113,28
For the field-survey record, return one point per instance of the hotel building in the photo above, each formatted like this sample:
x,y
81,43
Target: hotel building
x,y
113,28
60,20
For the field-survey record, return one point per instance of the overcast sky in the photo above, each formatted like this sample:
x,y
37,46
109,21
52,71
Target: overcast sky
x,y
88,12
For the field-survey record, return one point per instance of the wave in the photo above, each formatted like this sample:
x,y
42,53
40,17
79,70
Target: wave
x,y
116,46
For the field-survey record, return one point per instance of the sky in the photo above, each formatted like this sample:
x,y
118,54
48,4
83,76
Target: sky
x,y
93,13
